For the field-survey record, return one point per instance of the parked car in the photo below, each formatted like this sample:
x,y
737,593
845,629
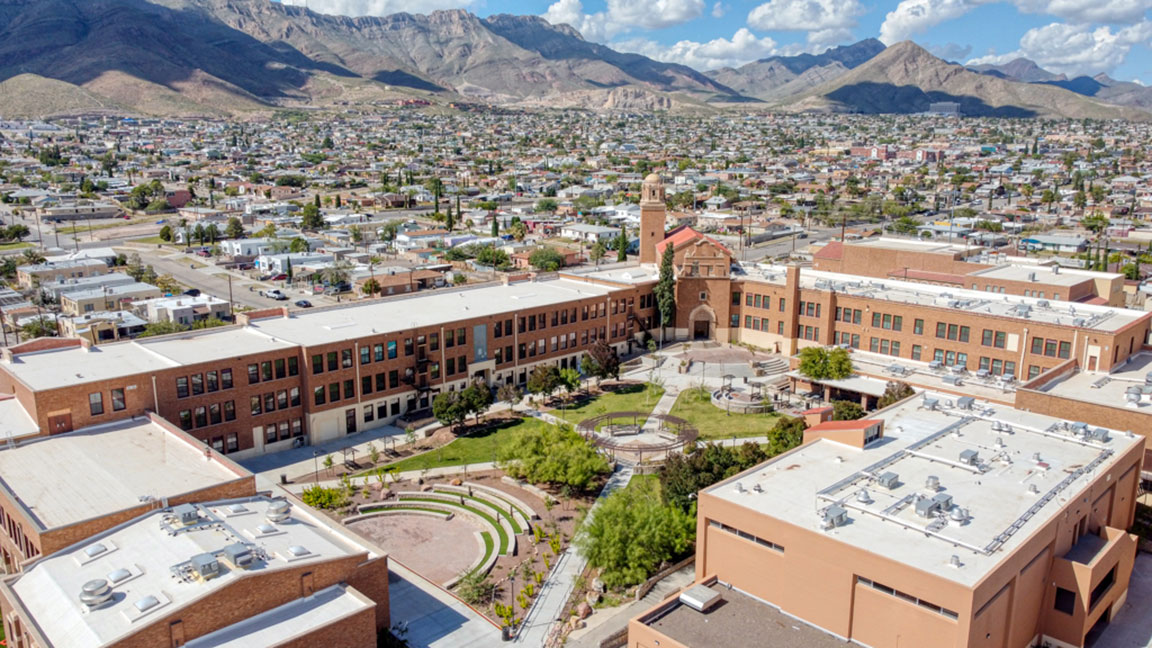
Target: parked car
x,y
192,292
203,252
279,277
274,294
303,303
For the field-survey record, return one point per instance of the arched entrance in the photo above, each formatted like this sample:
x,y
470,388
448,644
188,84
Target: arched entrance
x,y
702,322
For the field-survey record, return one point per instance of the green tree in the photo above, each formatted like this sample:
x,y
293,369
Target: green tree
x,y
298,245
370,287
546,259
311,219
543,380
40,327
843,410
819,363
894,392
633,533
546,205
1095,223
476,399
234,229
601,361
665,290
683,475
785,435
495,226
518,230
597,252
510,394
554,455
622,246
569,381
448,409
166,233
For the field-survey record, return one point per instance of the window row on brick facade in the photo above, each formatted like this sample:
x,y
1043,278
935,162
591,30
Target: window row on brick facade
x,y
207,382
763,301
809,309
884,346
763,324
213,414
1051,348
955,332
997,367
277,369
849,315
807,332
15,531
279,431
995,339
273,401
115,396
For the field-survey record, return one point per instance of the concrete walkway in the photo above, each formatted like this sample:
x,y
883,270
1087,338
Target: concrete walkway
x,y
546,612
445,471
606,622
428,617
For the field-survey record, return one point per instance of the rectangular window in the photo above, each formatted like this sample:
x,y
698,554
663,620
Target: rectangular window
x,y
1001,339
281,368
333,361
876,320
197,384
941,330
1065,350
378,352
349,389
369,414
317,364
895,348
212,381
297,427
334,392
186,419
392,350
450,366
462,334
118,399
229,410
366,385
897,322
294,396
964,333
1033,371
346,358
182,387
953,331
318,396
1037,345
226,379
986,337
231,442
916,351
365,355
1009,368
393,379
256,406
293,366
214,416
381,381
1065,601
918,326
1050,348
409,348
282,399
874,345
200,414
266,370
96,403
253,374
783,303
270,402
434,370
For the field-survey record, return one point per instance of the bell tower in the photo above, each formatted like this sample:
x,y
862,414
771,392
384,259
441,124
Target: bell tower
x,y
652,215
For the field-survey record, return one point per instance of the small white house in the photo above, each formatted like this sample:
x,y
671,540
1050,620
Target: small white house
x,y
589,233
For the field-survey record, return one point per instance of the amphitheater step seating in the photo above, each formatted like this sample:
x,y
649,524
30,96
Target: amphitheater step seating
x,y
485,514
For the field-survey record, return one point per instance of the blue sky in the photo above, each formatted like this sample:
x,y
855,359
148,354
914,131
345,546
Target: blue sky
x,y
1065,36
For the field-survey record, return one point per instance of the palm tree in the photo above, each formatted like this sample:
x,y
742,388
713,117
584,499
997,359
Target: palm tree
x,y
33,257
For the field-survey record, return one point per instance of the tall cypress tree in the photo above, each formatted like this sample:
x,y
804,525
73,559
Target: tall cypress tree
x,y
665,291
622,245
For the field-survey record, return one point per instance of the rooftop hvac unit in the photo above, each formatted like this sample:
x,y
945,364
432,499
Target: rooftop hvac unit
x,y
927,507
95,593
1031,276
835,516
932,483
969,457
239,555
965,402
932,403
1079,428
944,500
1043,303
1098,434
206,566
186,514
958,515
278,511
889,480
863,497
700,597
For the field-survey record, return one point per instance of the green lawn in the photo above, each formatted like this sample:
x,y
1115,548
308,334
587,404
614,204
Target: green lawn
x,y
622,398
15,245
476,448
695,406
151,239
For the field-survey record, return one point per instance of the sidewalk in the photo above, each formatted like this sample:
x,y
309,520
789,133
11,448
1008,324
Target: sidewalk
x,y
546,611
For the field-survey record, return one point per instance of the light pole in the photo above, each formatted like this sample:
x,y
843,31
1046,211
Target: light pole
x,y
316,466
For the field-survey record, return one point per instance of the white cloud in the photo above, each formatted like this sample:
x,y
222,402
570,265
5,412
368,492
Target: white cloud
x,y
719,9
805,15
911,17
914,16
622,16
950,51
378,7
743,47
1075,49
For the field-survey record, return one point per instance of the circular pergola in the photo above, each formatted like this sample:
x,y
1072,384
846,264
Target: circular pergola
x,y
625,432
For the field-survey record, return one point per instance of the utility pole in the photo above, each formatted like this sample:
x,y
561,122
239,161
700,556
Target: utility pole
x,y
231,304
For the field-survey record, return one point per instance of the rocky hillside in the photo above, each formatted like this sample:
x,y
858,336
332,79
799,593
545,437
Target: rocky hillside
x,y
906,78
781,77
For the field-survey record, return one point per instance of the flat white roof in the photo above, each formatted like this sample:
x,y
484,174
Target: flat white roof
x,y
630,275
912,245
1042,277
423,309
1002,508
155,550
78,365
15,422
104,469
289,621
1110,388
